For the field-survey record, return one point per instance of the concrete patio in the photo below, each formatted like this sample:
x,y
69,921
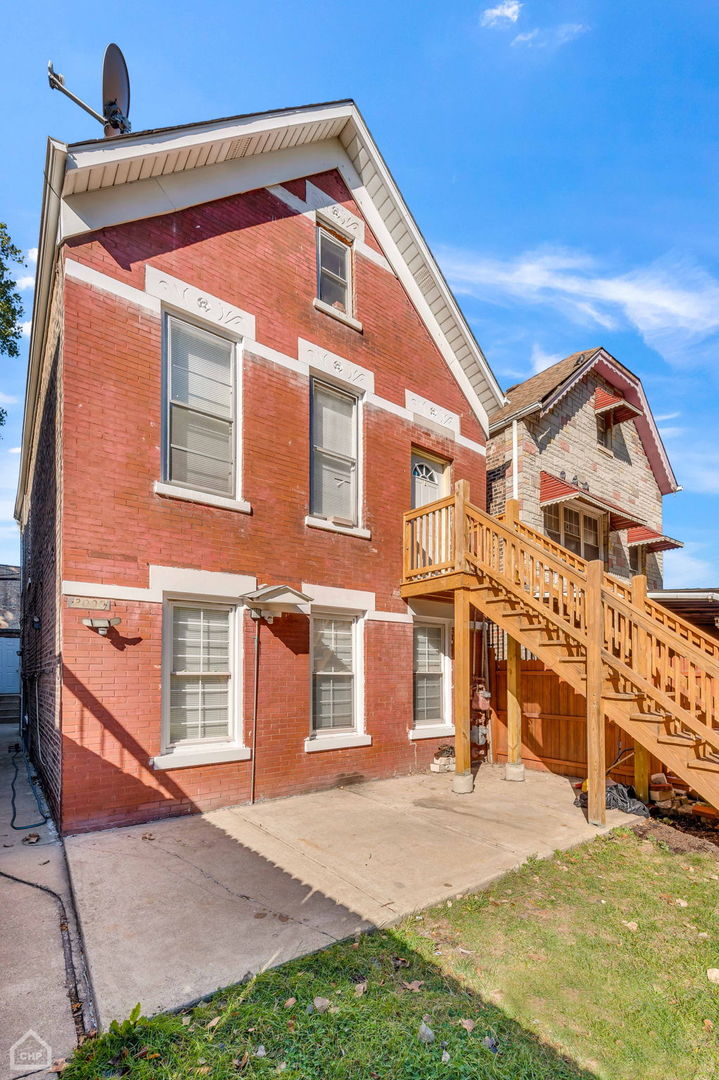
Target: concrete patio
x,y
173,910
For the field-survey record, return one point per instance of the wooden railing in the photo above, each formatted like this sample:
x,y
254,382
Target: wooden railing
x,y
670,665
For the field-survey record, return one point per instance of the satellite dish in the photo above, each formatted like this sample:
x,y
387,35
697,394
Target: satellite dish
x,y
115,92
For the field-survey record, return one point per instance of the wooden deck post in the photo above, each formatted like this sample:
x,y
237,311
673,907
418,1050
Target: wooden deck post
x,y
514,769
596,750
641,664
511,512
463,781
461,498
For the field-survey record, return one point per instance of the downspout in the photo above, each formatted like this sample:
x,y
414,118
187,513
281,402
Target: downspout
x,y
255,694
515,461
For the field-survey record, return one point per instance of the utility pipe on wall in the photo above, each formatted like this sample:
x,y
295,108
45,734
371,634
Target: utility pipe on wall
x,y
515,461
258,618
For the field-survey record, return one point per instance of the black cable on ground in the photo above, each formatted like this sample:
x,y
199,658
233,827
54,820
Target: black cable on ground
x,y
70,973
13,796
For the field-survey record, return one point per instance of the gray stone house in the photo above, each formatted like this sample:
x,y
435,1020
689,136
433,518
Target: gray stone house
x,y
578,446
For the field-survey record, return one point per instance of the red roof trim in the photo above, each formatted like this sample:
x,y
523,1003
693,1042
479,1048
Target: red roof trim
x,y
552,490
643,536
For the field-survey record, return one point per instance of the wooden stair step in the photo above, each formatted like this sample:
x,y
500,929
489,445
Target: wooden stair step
x,y
552,644
679,740
571,659
618,695
651,717
704,763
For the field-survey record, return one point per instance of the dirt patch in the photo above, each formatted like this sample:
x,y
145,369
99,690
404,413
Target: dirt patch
x,y
682,836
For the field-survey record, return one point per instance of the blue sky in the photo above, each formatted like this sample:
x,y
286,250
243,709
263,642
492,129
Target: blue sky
x,y
561,157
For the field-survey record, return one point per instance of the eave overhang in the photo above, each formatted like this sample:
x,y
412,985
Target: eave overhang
x,y
643,536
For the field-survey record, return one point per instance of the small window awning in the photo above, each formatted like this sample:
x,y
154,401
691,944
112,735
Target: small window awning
x,y
648,538
553,490
616,408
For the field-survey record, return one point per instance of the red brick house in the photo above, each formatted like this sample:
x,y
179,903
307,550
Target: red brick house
x,y
244,366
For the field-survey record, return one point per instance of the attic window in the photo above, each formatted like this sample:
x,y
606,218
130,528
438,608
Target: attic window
x,y
334,271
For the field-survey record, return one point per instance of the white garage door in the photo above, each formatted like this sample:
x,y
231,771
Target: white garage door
x,y
9,665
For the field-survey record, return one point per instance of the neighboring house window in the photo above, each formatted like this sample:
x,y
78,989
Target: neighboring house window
x,y
333,478
574,529
334,273
201,673
638,560
333,673
200,409
605,431
429,652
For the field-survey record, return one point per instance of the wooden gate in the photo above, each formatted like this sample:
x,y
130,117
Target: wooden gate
x,y
553,725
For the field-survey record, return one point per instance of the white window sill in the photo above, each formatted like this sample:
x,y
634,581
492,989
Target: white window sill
x,y
329,526
185,758
432,731
341,741
172,491
340,316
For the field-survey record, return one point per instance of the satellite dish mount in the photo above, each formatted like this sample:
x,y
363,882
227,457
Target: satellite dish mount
x,y
115,93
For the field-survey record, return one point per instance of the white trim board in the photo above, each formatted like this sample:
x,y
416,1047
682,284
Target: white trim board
x,y
311,357
166,580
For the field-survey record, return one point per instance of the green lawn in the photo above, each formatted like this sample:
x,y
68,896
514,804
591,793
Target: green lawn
x,y
590,964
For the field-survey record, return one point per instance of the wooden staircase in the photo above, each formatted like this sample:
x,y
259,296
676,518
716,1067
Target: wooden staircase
x,y
647,670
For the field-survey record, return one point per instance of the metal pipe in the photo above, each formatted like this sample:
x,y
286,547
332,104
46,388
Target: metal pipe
x,y
515,461
255,696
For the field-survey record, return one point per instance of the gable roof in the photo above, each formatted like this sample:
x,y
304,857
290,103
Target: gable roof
x,y
541,392
104,182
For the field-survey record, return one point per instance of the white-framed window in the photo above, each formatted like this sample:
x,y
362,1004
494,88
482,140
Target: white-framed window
x,y
605,431
201,437
574,528
334,656
334,427
334,271
429,664
638,559
201,670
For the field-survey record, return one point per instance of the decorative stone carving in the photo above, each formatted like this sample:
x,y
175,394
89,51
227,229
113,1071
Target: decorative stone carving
x,y
197,302
428,409
356,377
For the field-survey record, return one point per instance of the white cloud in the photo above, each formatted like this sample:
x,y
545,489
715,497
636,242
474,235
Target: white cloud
x,y
685,569
542,360
551,37
524,39
7,399
671,432
15,450
697,468
672,302
26,282
25,328
506,9
667,416
32,255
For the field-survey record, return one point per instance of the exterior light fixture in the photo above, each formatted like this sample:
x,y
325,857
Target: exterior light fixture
x,y
36,622
271,600
101,625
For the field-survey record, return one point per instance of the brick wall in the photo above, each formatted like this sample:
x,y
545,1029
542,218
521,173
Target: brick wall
x,y
565,440
251,251
40,644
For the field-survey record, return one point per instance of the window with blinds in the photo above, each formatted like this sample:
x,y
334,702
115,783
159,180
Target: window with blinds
x,y
200,409
333,481
428,675
200,678
333,674
574,529
333,271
